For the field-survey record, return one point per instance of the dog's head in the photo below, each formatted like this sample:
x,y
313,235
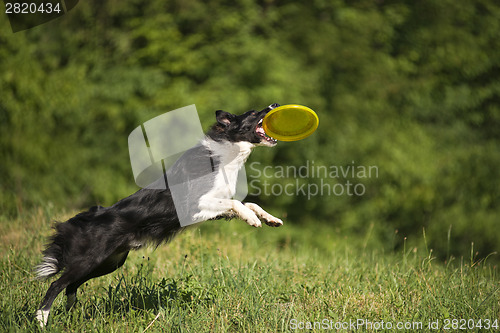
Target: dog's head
x,y
246,127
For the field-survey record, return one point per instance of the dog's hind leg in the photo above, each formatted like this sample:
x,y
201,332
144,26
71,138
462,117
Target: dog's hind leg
x,y
73,277
71,293
42,315
113,262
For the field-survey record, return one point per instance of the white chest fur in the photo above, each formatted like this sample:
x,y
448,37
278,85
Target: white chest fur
x,y
217,200
232,157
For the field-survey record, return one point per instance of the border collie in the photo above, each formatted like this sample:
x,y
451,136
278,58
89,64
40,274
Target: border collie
x,y
96,242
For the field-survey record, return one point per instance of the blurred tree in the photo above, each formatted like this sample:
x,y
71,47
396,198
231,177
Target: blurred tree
x,y
409,87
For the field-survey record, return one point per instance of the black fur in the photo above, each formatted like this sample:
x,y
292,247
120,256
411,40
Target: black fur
x,y
96,242
235,128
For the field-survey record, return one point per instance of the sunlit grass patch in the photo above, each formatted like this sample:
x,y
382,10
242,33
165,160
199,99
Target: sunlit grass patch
x,y
226,276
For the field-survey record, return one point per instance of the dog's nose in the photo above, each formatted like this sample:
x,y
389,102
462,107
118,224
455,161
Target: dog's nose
x,y
270,107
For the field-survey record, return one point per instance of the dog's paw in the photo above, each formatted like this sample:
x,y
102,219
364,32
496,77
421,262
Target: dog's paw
x,y
253,221
273,222
264,216
249,217
42,316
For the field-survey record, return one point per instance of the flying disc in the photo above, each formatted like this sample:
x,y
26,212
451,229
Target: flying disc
x,y
290,122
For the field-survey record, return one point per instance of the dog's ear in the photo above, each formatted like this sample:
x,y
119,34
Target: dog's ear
x,y
224,118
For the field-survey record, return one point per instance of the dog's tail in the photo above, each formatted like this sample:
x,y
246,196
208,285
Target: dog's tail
x,y
47,268
53,256
52,261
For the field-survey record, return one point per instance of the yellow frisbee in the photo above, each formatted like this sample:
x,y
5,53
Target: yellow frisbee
x,y
290,122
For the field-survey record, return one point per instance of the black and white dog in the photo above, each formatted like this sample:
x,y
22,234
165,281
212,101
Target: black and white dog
x,y
96,242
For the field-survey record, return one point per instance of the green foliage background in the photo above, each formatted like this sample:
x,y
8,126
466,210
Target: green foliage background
x,y
412,87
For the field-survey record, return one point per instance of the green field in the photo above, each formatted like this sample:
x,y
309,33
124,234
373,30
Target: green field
x,y
227,276
410,89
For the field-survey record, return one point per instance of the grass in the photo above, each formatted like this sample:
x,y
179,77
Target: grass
x,y
227,276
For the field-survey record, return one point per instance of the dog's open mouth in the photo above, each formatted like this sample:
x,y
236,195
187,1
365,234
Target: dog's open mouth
x,y
262,134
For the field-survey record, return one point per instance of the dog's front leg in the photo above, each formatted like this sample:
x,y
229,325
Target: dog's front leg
x,y
213,207
246,213
268,218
